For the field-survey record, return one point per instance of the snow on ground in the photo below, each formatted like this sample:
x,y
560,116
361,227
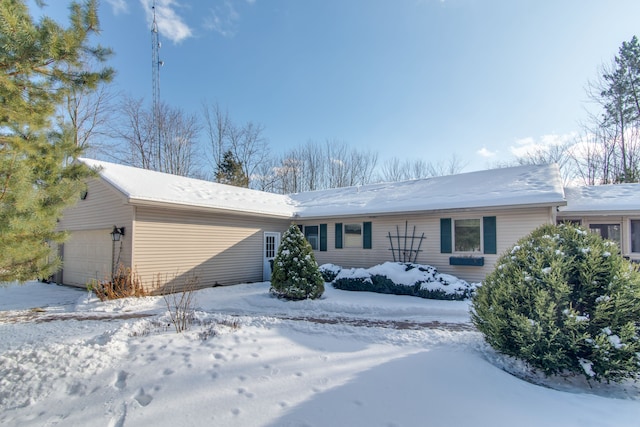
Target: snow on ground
x,y
253,360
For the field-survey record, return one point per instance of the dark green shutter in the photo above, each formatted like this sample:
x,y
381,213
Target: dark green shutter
x,y
338,235
366,235
445,235
490,237
323,237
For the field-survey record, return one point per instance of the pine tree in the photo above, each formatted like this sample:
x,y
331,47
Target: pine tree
x,y
296,275
39,64
230,171
565,301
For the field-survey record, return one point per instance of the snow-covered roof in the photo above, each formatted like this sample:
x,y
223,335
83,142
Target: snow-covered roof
x,y
521,185
142,185
602,199
516,186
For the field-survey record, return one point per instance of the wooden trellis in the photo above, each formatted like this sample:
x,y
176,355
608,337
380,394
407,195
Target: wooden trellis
x,y
404,248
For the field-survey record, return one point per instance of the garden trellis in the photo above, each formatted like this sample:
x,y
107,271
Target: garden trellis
x,y
405,243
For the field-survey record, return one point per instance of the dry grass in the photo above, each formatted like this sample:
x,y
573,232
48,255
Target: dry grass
x,y
124,283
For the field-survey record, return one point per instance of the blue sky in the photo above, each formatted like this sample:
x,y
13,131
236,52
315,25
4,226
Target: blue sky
x,y
404,78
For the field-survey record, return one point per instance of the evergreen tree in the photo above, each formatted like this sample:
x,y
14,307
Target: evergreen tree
x,y
296,275
230,171
40,63
565,301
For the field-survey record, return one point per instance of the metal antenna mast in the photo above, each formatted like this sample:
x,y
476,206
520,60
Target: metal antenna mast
x,y
155,76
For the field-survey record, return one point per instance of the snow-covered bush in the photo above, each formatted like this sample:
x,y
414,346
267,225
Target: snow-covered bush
x,y
329,272
295,273
566,302
404,279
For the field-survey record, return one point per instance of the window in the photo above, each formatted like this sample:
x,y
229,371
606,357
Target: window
x,y
311,234
466,235
359,235
607,231
635,235
353,235
473,235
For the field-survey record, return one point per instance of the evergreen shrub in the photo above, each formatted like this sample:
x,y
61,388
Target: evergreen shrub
x,y
373,281
329,272
566,302
296,275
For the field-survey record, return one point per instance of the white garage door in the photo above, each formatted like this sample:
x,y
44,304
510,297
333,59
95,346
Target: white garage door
x,y
87,256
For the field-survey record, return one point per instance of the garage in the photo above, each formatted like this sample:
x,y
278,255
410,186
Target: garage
x,y
88,256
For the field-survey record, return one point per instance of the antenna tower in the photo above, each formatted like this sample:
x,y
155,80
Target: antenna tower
x,y
155,77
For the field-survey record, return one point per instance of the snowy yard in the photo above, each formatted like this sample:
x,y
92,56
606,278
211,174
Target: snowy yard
x,y
253,360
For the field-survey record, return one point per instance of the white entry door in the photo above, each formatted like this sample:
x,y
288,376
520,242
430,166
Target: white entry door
x,y
271,243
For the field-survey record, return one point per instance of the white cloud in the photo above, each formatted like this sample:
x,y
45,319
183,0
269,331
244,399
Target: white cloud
x,y
528,146
484,152
223,19
170,24
118,6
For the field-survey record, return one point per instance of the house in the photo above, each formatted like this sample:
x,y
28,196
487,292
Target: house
x,y
612,211
171,228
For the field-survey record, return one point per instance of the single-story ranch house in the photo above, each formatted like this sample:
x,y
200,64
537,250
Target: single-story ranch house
x,y
169,228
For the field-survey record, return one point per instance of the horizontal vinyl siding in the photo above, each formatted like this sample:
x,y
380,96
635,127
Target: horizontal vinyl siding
x,y
219,249
103,208
95,216
511,225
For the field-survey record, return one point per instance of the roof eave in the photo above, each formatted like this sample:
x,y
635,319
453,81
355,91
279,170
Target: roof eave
x,y
135,201
550,204
592,212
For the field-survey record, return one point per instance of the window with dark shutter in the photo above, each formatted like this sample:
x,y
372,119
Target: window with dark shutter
x,y
323,237
366,235
338,235
445,235
490,235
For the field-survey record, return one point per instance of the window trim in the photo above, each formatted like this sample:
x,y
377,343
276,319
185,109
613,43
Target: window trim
x,y
488,236
480,250
631,221
317,235
607,224
345,240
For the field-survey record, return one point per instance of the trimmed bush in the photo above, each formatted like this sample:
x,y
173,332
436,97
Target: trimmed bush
x,y
296,275
566,302
329,272
422,281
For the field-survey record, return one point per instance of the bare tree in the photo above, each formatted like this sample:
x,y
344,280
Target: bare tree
x,y
246,142
560,154
137,132
394,169
87,113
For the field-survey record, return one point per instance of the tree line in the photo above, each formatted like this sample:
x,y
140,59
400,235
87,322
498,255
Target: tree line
x,y
211,145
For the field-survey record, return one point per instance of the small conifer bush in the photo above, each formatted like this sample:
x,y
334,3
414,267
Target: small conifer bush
x,y
566,302
296,275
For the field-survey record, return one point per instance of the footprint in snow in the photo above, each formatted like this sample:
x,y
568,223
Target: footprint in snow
x,y
142,398
121,380
118,419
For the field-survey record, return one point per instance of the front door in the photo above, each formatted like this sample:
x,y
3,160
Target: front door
x,y
271,243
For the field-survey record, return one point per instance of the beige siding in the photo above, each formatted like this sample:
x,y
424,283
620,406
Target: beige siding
x,y
90,220
103,208
220,249
87,257
511,225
